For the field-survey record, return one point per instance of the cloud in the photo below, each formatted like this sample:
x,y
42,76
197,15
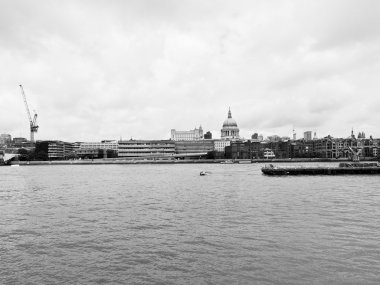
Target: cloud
x,y
99,70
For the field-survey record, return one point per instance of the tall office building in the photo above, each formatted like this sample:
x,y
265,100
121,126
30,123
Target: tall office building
x,y
307,135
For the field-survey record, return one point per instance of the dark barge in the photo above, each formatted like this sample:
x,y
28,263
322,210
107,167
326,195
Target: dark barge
x,y
344,168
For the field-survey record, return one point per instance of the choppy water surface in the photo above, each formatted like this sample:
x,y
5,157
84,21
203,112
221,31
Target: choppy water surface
x,y
165,224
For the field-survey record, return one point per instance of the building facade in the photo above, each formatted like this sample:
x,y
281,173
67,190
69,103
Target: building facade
x,y
56,150
146,148
207,135
87,153
100,145
220,145
192,135
307,135
323,148
5,139
196,147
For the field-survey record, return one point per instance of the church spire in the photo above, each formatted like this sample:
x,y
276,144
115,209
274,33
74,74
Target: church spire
x,y
229,113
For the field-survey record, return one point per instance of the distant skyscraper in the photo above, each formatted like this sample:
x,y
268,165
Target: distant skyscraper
x,y
307,135
5,138
230,129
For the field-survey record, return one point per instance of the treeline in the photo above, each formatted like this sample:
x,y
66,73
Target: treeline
x,y
28,155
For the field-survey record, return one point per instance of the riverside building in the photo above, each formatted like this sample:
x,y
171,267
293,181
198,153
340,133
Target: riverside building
x,y
100,145
220,145
194,148
95,153
192,135
55,150
103,149
146,148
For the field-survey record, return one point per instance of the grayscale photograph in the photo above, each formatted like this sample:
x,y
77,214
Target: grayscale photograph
x,y
189,142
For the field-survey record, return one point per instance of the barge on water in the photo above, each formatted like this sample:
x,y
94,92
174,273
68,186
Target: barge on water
x,y
344,168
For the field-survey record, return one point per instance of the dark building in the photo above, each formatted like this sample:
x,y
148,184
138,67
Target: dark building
x,y
90,153
21,142
327,147
208,136
281,149
237,150
55,150
195,147
302,149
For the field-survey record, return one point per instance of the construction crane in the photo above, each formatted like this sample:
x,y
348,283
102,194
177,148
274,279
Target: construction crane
x,y
33,123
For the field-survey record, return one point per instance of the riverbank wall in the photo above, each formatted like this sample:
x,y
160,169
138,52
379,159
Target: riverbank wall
x,y
166,161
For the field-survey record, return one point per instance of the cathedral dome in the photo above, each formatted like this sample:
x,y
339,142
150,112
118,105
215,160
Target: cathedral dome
x,y
229,122
230,130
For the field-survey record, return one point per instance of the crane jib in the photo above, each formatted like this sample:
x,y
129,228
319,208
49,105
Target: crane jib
x,y
33,123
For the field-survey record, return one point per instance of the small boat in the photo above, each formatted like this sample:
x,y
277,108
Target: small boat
x,y
203,173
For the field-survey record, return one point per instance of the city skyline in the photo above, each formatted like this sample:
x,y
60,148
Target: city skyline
x,y
308,135
97,70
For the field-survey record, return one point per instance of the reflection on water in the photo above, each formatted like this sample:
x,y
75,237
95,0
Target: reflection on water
x,y
152,224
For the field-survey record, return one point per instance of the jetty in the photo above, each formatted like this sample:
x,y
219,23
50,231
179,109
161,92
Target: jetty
x,y
344,168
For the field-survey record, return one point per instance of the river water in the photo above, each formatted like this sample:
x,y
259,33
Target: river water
x,y
166,224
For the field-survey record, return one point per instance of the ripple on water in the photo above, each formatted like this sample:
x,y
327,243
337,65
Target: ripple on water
x,y
152,224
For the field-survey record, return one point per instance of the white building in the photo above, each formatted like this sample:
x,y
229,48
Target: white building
x,y
100,145
219,145
192,135
146,148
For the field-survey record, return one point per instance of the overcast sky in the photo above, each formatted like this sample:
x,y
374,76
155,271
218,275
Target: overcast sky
x,y
97,70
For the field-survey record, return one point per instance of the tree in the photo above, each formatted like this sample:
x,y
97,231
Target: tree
x,y
71,155
23,154
22,151
210,155
41,155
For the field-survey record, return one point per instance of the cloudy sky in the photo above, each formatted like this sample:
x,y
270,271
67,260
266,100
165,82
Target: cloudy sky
x,y
105,69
